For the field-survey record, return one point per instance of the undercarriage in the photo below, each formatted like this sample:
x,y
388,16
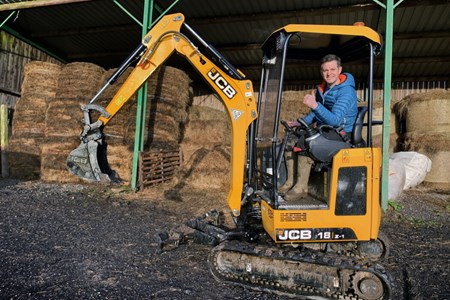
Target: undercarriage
x,y
299,271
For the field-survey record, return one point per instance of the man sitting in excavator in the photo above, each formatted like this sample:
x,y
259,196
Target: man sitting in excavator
x,y
333,103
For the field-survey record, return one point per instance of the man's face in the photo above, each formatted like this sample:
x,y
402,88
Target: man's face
x,y
330,72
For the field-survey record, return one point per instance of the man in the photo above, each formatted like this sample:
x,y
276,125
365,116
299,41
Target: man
x,y
333,103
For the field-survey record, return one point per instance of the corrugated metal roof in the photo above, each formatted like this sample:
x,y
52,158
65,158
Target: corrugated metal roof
x,y
101,32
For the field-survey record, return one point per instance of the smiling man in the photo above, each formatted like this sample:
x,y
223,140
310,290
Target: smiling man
x,y
334,102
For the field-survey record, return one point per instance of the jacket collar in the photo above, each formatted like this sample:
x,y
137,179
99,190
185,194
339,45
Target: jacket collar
x,y
342,79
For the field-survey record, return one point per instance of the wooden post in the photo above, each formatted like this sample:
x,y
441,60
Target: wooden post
x,y
4,139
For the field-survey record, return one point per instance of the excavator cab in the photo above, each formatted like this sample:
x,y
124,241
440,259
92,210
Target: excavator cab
x,y
342,201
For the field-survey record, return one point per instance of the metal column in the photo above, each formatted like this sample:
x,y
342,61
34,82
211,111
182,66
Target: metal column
x,y
389,7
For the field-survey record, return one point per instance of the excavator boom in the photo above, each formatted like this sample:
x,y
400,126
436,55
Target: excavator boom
x,y
89,160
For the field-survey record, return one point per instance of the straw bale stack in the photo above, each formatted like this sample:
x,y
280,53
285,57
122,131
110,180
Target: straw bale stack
x,y
206,149
119,153
167,98
28,130
77,84
428,132
292,106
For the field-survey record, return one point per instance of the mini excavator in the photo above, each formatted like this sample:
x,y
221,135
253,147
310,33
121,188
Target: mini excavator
x,y
325,244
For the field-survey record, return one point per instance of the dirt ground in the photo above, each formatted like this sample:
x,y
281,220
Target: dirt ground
x,y
77,241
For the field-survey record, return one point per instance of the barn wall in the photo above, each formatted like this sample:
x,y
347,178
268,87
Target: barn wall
x,y
14,54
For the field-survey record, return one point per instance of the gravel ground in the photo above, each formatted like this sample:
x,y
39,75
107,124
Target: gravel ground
x,y
74,241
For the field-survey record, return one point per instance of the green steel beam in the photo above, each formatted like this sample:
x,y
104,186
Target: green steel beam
x,y
389,37
141,103
7,18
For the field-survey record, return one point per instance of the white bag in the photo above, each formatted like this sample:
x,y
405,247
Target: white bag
x,y
396,179
416,167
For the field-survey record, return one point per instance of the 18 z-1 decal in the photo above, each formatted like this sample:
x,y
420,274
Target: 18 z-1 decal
x,y
221,83
306,234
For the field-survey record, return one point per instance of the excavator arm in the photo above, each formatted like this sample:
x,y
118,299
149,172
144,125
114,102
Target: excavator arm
x,y
89,161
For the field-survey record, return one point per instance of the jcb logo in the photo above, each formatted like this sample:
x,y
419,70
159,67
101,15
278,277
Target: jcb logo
x,y
294,234
221,83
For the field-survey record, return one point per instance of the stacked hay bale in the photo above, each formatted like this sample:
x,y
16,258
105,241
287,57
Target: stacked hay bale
x,y
292,106
207,140
427,131
28,128
167,99
206,149
120,151
377,130
77,84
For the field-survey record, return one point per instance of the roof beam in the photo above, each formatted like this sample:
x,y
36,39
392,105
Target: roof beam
x,y
309,12
36,3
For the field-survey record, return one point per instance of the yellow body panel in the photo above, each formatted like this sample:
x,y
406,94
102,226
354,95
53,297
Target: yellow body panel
x,y
237,95
303,223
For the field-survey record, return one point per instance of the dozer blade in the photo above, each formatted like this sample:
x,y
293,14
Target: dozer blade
x,y
302,273
89,162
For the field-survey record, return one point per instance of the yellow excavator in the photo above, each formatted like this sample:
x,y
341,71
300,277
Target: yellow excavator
x,y
326,243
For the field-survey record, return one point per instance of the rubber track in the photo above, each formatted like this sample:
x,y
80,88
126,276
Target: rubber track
x,y
318,271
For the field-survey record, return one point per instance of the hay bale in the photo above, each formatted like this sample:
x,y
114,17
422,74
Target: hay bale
x,y
40,79
29,117
207,126
426,112
79,80
53,160
28,128
207,169
77,84
437,148
170,83
292,106
120,159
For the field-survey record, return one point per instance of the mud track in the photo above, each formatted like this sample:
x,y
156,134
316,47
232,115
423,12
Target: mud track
x,y
73,241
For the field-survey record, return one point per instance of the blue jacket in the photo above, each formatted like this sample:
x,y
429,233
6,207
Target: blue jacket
x,y
338,107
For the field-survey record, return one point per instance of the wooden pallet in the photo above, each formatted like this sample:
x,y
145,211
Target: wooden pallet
x,y
157,167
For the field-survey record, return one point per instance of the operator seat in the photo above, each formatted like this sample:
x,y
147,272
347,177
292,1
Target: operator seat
x,y
356,137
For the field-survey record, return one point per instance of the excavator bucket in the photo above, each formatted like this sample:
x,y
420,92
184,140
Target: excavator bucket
x,y
89,161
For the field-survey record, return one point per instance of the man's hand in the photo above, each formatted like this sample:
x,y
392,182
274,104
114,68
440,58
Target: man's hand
x,y
293,123
310,100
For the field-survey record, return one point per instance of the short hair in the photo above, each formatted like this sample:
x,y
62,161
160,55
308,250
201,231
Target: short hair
x,y
330,57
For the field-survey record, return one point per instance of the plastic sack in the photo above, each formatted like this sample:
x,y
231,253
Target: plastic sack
x,y
397,179
416,167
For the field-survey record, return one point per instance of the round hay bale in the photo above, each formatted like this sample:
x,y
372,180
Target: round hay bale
x,y
54,159
171,83
292,106
29,116
207,132
40,79
437,148
64,118
426,112
394,141
204,113
208,169
79,80
120,159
